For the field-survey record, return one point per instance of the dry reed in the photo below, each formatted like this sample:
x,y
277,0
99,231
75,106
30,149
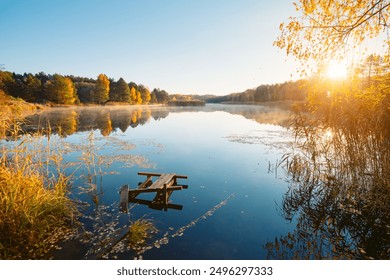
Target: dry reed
x,y
35,210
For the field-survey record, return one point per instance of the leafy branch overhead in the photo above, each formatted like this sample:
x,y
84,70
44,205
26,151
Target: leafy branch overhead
x,y
328,29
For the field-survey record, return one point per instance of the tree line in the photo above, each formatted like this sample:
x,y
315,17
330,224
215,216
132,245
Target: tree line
x,y
368,72
288,91
69,90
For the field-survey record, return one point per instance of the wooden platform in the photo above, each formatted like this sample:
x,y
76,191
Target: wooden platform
x,y
164,185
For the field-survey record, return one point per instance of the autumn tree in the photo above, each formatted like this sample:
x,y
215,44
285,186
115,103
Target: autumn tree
x,y
101,90
145,93
138,98
60,90
135,94
6,78
326,30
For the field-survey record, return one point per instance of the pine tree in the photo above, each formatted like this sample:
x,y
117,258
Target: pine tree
x,y
123,91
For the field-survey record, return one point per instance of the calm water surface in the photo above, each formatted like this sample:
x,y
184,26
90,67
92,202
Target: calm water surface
x,y
227,151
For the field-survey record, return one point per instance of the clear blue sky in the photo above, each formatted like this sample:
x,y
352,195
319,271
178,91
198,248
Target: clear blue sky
x,y
182,46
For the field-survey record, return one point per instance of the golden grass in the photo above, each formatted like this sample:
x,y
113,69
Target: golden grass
x,y
13,110
34,207
140,231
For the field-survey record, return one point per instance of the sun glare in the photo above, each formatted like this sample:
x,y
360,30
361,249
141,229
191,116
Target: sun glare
x,y
337,70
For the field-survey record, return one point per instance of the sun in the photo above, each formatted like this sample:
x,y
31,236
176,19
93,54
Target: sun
x,y
337,70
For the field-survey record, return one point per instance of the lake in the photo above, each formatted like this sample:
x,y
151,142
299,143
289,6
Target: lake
x,y
229,153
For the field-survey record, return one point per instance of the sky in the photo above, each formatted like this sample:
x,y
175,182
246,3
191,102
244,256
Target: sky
x,y
182,46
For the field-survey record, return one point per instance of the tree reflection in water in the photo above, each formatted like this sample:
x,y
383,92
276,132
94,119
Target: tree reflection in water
x,y
69,120
66,121
339,194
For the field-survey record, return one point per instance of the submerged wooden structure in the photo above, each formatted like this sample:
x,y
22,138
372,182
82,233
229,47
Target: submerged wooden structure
x,y
164,185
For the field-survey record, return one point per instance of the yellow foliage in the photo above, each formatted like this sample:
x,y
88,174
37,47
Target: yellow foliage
x,y
328,29
104,81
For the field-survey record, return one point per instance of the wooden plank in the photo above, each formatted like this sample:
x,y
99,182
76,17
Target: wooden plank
x,y
165,196
141,186
124,198
138,191
175,188
163,179
146,183
149,174
181,176
149,190
159,174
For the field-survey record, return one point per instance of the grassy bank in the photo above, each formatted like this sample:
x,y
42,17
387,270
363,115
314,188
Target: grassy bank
x,y
35,211
13,110
16,108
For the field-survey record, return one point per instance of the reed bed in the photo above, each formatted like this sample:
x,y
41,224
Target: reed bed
x,y
339,174
35,211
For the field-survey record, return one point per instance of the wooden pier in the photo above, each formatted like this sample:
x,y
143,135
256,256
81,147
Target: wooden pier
x,y
164,185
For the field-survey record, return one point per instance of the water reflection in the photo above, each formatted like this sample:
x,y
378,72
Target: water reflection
x,y
153,205
66,121
108,119
334,223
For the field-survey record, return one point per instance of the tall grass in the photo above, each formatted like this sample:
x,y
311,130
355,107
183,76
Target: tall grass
x,y
35,211
339,176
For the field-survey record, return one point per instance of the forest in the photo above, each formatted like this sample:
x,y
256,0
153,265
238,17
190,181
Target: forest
x,y
69,90
58,89
287,91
